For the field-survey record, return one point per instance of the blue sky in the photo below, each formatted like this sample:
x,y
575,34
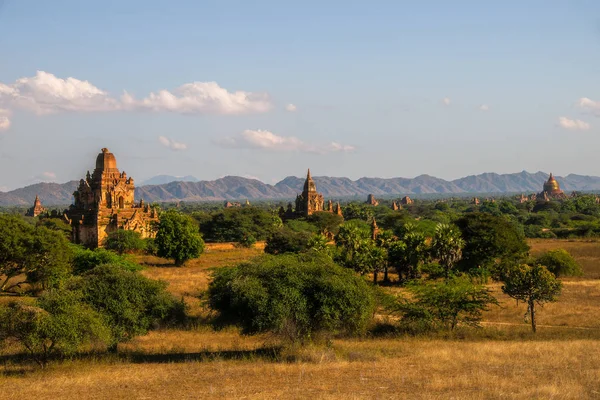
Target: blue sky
x,y
269,88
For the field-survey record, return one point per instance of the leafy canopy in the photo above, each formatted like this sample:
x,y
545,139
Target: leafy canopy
x,y
295,295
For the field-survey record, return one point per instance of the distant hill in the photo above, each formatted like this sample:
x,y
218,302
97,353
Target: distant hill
x,y
238,188
163,179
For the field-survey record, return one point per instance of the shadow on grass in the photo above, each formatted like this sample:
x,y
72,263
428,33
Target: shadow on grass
x,y
20,364
263,353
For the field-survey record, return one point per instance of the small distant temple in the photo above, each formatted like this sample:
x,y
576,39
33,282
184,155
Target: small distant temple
x,y
406,200
104,202
372,201
37,208
309,202
551,190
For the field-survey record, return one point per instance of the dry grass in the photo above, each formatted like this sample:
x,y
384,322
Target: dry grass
x,y
410,368
503,360
586,252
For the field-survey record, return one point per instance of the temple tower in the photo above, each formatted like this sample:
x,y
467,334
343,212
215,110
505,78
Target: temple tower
x,y
310,201
104,202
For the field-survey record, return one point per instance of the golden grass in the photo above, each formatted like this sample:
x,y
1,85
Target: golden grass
x,y
503,360
586,252
355,369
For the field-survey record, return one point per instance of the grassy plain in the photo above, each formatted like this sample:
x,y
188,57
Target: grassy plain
x,y
501,360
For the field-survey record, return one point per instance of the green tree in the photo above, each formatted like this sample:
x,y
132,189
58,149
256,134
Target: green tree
x,y
489,240
124,241
41,254
58,325
446,304
130,302
49,259
327,223
408,254
446,246
560,263
178,237
286,240
294,295
532,284
384,240
15,240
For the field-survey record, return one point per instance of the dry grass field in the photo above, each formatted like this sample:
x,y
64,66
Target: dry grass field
x,y
501,360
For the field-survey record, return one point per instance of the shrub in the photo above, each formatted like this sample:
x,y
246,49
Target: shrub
x,y
150,247
59,325
286,240
124,241
85,260
560,263
130,302
296,296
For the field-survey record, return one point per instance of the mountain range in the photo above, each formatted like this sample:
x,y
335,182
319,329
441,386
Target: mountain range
x,y
238,188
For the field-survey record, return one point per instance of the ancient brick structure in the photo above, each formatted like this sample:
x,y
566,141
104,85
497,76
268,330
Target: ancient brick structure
x,y
310,201
374,229
395,206
475,201
104,202
37,208
406,200
371,200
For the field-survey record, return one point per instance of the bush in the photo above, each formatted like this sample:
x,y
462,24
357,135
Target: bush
x,y
124,241
560,263
85,260
296,296
130,302
59,325
150,247
178,237
286,240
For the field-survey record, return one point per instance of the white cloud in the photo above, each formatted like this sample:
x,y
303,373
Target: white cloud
x,y
589,105
3,188
45,93
201,98
291,107
266,140
4,120
573,124
446,101
484,107
173,145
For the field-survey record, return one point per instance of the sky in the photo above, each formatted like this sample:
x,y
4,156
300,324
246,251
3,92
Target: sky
x,y
267,89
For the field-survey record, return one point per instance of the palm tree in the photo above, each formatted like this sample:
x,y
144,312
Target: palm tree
x,y
446,246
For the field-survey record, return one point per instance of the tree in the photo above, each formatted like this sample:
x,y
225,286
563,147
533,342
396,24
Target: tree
x,y
384,240
15,239
58,325
357,248
489,240
409,253
286,240
532,284
560,263
49,259
130,302
293,295
327,223
41,254
449,303
178,237
124,241
446,247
